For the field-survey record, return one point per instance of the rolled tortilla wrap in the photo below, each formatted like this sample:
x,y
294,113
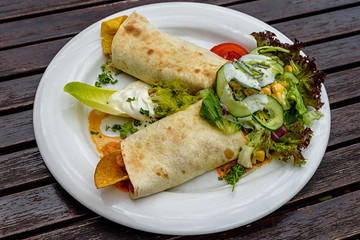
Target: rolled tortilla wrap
x,y
143,51
176,149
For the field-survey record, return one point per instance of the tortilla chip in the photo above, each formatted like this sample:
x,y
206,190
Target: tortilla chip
x,y
111,26
110,170
106,42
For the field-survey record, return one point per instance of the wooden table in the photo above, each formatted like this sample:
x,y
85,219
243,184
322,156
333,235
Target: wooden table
x,y
33,205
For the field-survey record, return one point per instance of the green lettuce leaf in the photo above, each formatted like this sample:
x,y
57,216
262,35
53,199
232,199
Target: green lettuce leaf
x,y
94,97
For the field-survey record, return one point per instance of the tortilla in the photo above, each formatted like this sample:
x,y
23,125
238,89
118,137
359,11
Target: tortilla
x,y
176,149
151,55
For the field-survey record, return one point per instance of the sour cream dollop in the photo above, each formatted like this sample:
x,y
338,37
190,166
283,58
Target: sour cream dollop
x,y
134,99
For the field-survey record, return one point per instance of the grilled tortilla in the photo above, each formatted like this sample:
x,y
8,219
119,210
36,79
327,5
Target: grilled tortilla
x,y
151,55
176,149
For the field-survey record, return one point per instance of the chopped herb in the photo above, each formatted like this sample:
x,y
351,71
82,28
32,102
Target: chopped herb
x,y
137,123
144,112
94,133
105,77
123,129
233,174
130,99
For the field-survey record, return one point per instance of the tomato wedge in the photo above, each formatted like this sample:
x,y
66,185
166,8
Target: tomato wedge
x,y
229,51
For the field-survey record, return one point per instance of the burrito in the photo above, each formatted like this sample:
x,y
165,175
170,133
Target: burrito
x,y
175,150
151,55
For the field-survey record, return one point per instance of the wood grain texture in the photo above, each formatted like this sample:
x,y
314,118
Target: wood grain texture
x,y
345,124
21,168
338,169
37,207
335,54
36,57
330,171
34,207
11,9
16,129
28,59
343,85
18,92
331,219
322,26
279,10
69,23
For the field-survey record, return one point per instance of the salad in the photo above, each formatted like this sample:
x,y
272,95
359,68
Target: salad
x,y
272,94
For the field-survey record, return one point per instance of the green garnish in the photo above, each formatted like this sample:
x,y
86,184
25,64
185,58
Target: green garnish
x,y
211,108
106,76
144,112
233,174
137,123
123,129
94,133
130,99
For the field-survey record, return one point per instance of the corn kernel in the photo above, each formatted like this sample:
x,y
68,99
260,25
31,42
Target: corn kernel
x,y
111,26
284,83
260,155
278,89
288,68
266,90
250,91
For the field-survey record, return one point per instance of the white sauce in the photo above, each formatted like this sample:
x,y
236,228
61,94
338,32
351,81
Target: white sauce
x,y
139,91
246,79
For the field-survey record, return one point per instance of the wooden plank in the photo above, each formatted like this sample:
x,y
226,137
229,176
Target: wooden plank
x,y
98,228
37,207
326,220
330,219
330,171
64,24
338,169
60,24
344,85
336,53
18,92
16,129
21,168
320,27
278,10
18,8
29,59
345,124
36,57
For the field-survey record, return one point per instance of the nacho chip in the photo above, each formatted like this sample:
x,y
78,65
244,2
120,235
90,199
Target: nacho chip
x,y
111,26
106,44
110,170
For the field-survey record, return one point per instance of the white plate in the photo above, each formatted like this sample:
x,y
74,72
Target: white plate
x,y
203,205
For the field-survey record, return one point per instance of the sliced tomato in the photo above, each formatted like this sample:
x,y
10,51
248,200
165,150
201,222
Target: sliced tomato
x,y
229,51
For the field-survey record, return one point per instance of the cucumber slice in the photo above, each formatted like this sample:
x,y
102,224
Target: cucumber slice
x,y
275,111
235,108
